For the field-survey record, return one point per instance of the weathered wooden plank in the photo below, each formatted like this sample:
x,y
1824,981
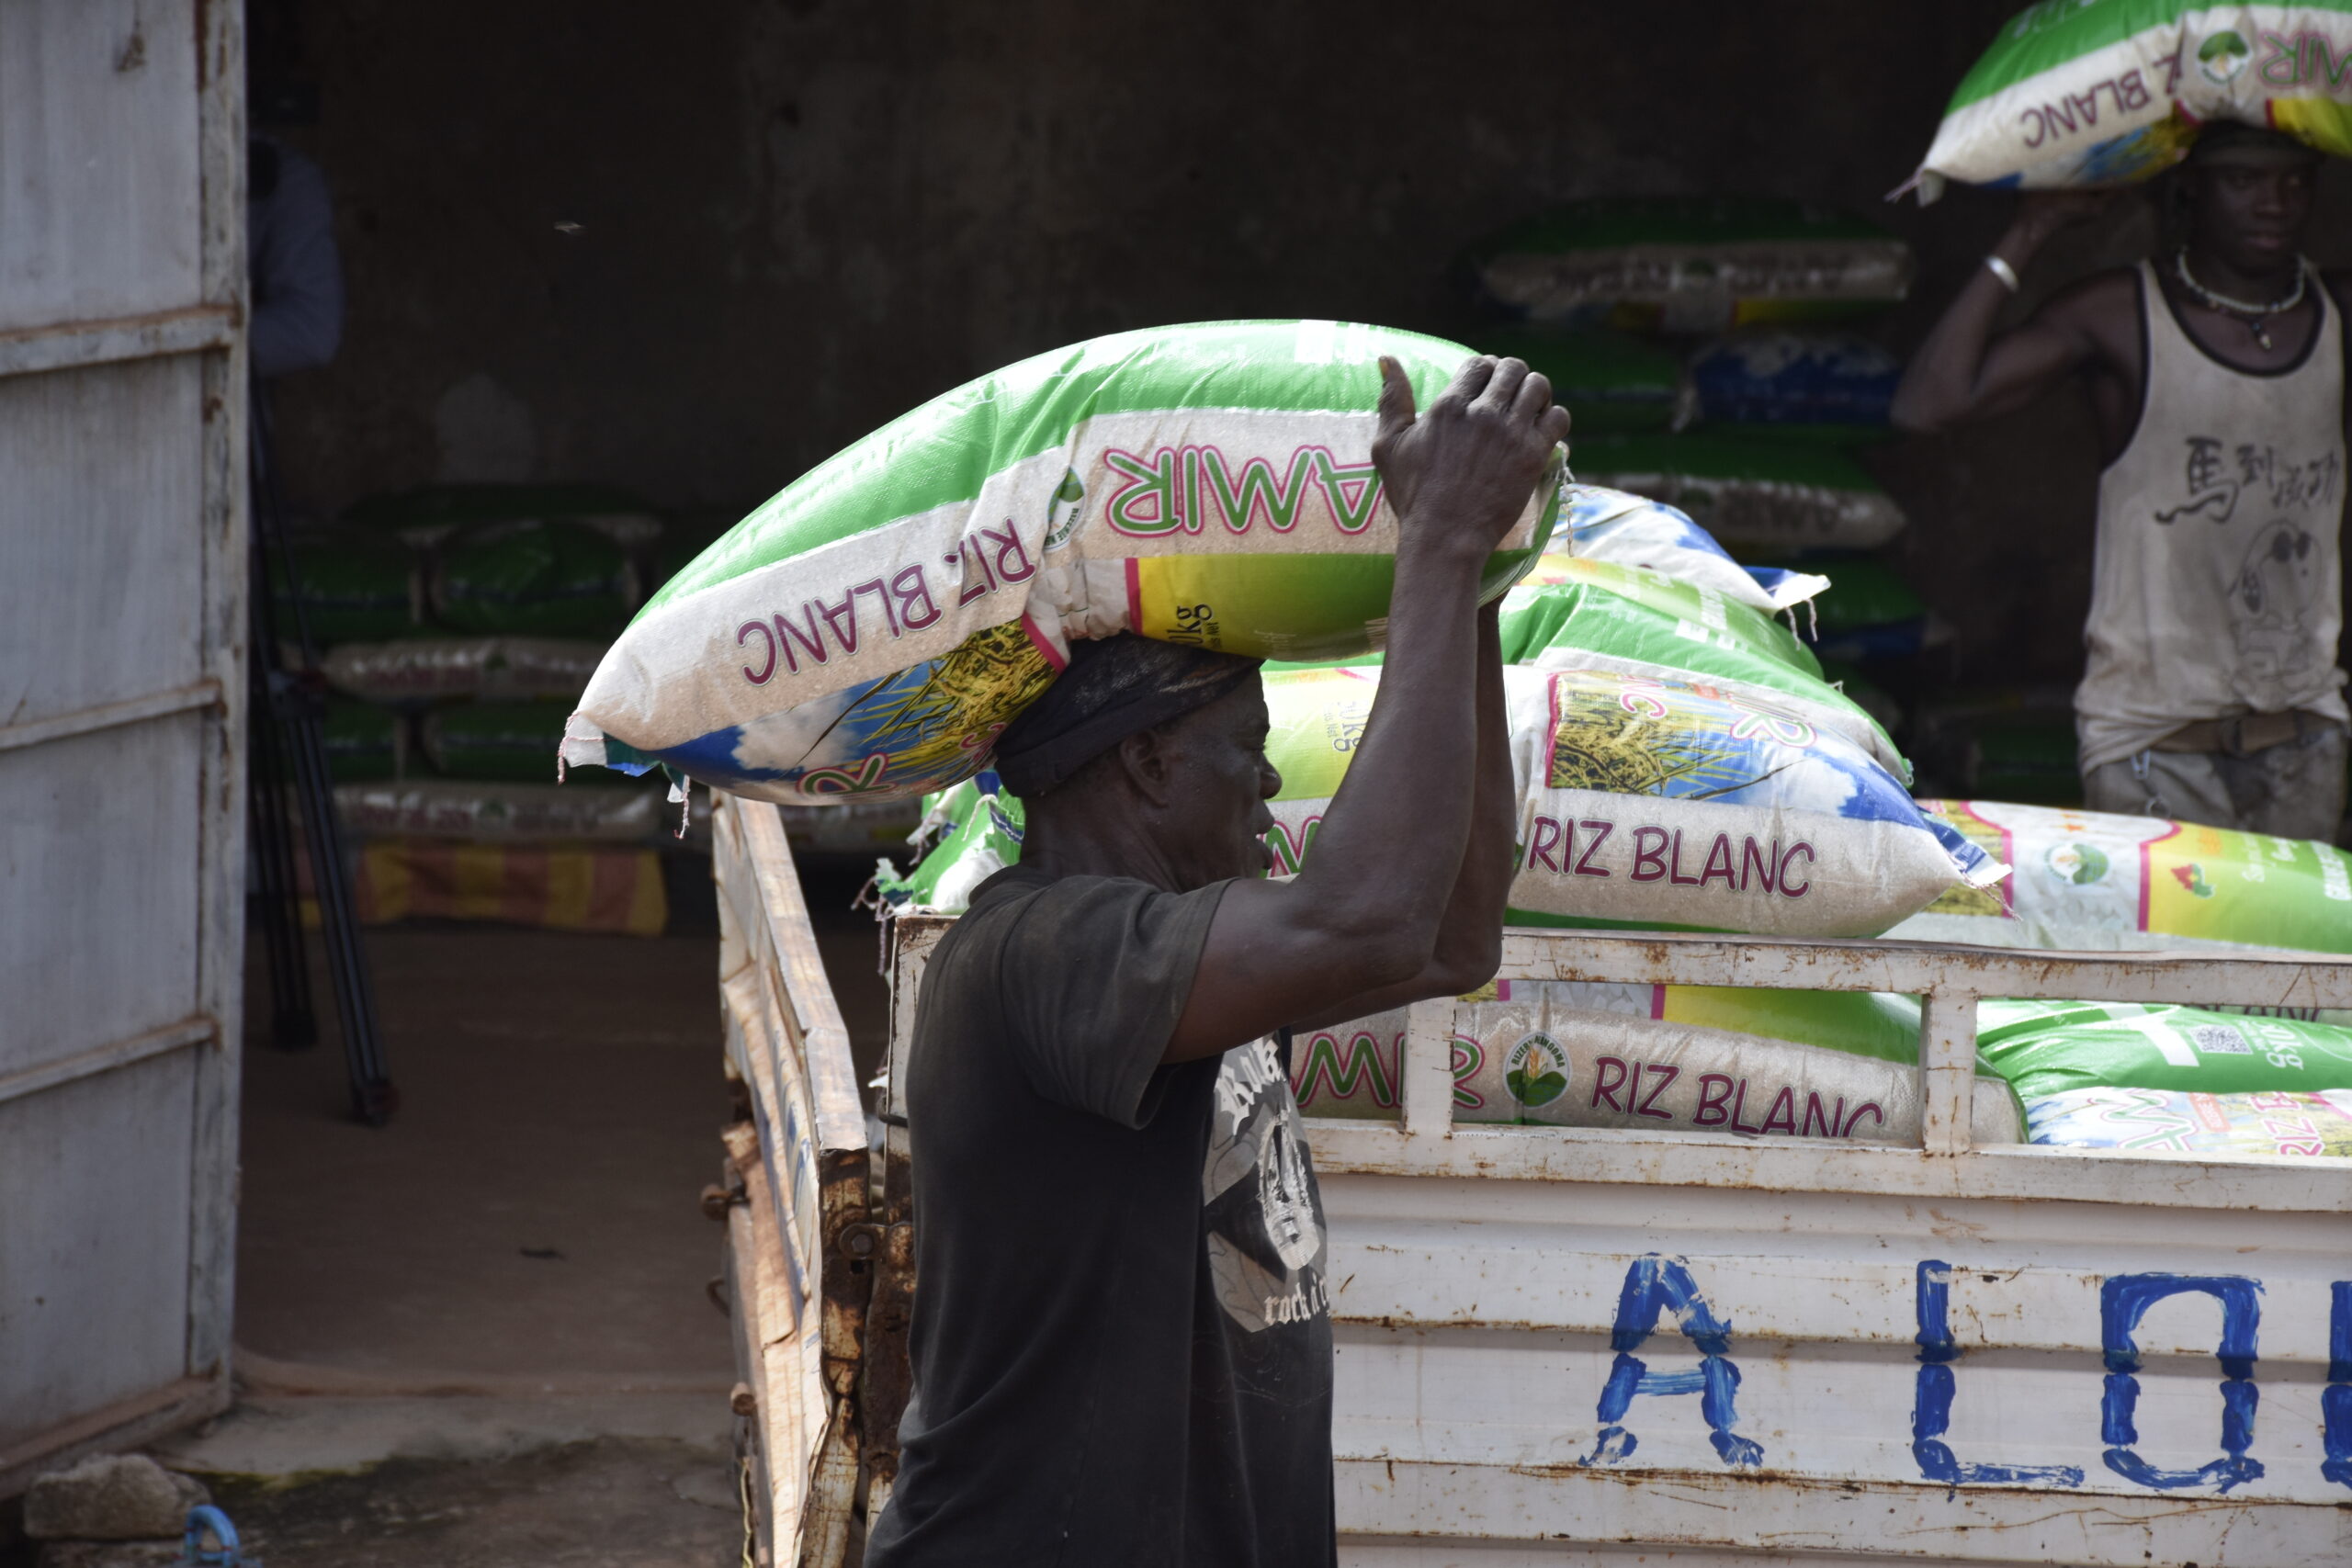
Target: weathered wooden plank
x,y
224,563
201,1031
104,467
94,1244
71,346
101,188
752,1441
1428,1069
1566,1506
765,1316
815,1168
1948,1068
99,868
814,1017
1815,1270
1704,1159
1912,968
126,1424
190,698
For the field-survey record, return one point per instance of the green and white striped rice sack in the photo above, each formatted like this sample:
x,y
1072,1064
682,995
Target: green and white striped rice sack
x,y
871,629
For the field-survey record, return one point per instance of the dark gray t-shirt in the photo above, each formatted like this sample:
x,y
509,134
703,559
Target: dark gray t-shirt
x,y
1122,1342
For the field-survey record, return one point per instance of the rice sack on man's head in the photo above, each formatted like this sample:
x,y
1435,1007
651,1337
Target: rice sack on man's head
x,y
2076,94
873,628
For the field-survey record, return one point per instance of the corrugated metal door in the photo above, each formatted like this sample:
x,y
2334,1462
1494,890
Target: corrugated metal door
x,y
122,595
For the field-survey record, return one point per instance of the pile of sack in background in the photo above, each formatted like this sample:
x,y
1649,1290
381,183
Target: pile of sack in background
x,y
457,625
1716,356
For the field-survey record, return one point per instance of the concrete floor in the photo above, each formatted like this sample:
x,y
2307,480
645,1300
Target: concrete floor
x,y
479,1336
611,1481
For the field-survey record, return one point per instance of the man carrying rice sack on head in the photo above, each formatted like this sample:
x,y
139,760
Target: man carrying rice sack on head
x,y
2216,375
1108,1025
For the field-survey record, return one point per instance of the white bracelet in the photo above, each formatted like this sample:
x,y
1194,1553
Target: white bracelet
x,y
2003,271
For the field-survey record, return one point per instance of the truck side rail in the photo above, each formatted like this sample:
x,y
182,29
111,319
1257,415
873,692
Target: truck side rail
x,y
1950,980
799,1279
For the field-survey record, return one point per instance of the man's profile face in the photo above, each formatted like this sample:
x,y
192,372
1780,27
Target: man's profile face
x,y
2252,217
1218,785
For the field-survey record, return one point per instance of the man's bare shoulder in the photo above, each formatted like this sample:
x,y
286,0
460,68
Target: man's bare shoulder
x,y
2108,296
2101,314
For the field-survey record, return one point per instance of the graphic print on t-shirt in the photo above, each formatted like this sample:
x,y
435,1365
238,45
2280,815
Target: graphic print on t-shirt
x,y
1265,1219
2273,586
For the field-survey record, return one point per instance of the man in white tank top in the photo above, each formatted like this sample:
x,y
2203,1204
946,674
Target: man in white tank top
x,y
2216,373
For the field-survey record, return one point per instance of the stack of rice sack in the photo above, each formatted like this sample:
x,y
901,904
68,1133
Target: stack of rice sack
x,y
1677,767
1760,385
459,624
1680,763
2252,1078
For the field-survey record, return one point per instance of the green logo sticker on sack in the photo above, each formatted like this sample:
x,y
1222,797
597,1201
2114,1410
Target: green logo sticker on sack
x,y
1539,1071
1066,511
2078,863
2222,57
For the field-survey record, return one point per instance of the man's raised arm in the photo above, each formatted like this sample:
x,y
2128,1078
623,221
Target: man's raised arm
x,y
1470,935
1387,879
1962,373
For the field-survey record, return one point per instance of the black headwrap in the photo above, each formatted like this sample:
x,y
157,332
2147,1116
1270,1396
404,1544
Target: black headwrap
x,y
1112,688
2228,142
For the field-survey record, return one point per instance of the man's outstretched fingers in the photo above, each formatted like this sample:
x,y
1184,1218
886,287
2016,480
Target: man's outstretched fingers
x,y
1534,397
1396,400
1502,387
1555,424
1468,381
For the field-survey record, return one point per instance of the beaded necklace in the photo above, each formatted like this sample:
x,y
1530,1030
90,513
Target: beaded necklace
x,y
2256,317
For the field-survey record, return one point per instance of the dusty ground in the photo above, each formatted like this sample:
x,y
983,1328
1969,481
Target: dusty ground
x,y
604,1503
476,1483
479,1337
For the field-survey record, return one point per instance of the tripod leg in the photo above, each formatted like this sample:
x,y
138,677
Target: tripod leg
x,y
372,1096
298,700
293,1025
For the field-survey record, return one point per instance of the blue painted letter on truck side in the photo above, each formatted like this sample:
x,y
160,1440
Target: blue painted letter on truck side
x,y
1652,1285
2122,1301
1931,1406
2335,1400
